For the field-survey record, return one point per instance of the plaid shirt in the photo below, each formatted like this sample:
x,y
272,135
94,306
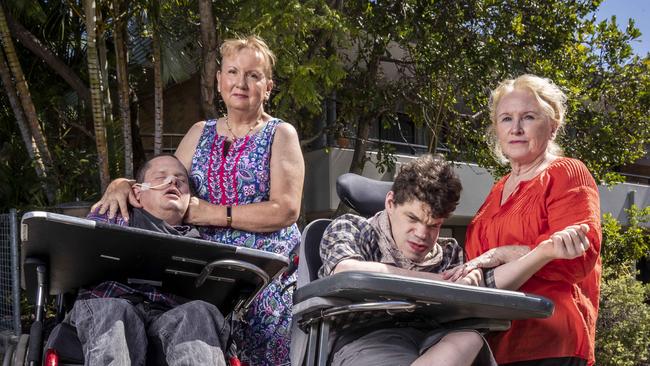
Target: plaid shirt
x,y
117,220
137,293
353,237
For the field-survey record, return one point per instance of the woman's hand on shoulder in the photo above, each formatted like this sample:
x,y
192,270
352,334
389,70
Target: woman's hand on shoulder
x,y
115,199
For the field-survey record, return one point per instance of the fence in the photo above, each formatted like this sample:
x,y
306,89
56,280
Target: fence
x,y
9,275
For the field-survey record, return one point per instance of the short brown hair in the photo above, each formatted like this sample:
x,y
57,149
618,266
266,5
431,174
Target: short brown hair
x,y
139,177
430,180
255,43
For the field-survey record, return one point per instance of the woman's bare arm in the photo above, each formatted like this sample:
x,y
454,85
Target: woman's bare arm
x,y
569,243
281,210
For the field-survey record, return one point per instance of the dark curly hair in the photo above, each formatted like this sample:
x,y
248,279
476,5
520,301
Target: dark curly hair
x,y
431,180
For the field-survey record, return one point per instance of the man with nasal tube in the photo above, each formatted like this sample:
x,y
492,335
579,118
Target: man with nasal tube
x,y
138,325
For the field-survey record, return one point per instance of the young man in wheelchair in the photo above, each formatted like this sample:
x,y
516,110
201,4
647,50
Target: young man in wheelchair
x,y
403,239
122,325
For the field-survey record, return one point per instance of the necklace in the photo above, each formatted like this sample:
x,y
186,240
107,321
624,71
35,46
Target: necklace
x,y
246,134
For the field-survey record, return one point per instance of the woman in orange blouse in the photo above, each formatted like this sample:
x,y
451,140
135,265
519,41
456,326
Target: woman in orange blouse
x,y
543,194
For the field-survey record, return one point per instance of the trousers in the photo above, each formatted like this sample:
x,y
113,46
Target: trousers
x,y
115,332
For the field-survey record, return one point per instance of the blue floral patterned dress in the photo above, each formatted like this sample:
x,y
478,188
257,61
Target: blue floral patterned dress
x,y
237,177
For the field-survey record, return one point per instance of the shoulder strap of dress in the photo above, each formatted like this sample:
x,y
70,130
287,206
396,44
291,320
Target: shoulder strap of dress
x,y
209,130
269,129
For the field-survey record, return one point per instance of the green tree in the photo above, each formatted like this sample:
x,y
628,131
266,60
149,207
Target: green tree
x,y
41,153
623,328
436,61
97,96
209,44
431,61
120,20
626,245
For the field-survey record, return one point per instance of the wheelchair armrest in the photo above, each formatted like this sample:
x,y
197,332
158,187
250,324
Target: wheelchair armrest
x,y
316,309
316,303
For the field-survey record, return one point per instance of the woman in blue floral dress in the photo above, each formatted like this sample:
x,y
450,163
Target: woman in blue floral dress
x,y
240,176
247,170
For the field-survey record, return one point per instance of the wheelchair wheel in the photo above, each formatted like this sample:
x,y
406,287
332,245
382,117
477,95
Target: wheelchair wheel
x,y
20,353
9,353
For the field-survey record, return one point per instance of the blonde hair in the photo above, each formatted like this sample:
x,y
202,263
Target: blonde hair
x,y
231,46
550,97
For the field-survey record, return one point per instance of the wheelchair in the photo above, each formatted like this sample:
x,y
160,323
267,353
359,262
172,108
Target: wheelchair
x,y
358,301
61,254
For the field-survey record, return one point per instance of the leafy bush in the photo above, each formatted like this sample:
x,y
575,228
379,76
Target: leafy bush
x,y
623,328
622,246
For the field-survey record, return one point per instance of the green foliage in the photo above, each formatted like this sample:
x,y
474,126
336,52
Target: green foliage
x,y
623,328
20,185
433,61
301,34
623,246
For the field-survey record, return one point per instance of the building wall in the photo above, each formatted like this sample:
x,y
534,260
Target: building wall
x,y
322,169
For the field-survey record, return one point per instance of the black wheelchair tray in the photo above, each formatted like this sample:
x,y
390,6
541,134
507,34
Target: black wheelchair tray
x,y
81,253
440,301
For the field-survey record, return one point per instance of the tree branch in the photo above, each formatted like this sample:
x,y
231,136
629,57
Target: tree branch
x,y
308,141
37,48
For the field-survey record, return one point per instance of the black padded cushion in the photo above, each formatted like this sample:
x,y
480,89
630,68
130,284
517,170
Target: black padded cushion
x,y
64,340
364,195
311,238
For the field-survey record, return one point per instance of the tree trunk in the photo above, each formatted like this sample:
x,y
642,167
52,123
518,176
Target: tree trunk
x,y
28,140
158,94
96,94
363,123
42,151
121,62
209,62
37,48
139,156
103,69
359,156
360,145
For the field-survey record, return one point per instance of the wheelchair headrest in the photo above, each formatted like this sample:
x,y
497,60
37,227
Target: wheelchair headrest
x,y
364,195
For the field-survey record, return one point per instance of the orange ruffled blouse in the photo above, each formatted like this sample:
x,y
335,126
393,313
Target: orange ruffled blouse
x,y
563,194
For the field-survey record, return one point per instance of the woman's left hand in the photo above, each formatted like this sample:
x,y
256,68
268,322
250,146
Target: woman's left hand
x,y
572,242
